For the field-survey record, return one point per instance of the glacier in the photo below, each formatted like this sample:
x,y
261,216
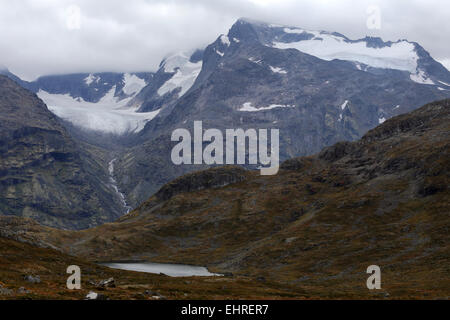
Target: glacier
x,y
400,55
108,115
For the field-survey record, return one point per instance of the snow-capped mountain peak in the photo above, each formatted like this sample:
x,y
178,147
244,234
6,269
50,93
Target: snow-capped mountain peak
x,y
372,52
400,55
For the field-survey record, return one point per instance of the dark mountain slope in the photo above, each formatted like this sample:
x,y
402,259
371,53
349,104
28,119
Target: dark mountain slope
x,y
43,172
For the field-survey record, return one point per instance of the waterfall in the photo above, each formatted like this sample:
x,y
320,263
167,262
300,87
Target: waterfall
x,y
114,185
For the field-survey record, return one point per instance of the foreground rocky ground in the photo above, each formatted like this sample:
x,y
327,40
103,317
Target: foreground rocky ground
x,y
22,264
309,232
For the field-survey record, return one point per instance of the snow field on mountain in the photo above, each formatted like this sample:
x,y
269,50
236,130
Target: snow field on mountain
x,y
109,115
399,56
132,84
185,74
247,107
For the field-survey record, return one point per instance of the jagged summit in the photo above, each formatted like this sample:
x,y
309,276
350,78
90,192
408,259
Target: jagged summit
x,y
374,52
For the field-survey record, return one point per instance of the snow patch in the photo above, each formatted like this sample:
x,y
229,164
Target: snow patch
x,y
292,30
236,40
219,53
91,78
381,120
344,105
254,60
225,40
185,76
278,70
247,107
361,67
421,77
132,84
444,83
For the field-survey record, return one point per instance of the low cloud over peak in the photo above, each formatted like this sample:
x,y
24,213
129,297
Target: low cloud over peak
x,y
40,37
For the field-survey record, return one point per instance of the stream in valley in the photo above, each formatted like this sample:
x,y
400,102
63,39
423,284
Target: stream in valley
x,y
114,185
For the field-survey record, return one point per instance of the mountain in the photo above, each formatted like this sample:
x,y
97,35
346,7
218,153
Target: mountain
x,y
317,88
367,54
313,229
44,173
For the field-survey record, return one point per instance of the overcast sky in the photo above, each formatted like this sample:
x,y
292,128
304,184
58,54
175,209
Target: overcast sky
x,y
40,37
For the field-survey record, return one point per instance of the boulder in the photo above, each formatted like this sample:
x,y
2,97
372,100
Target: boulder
x,y
5,291
32,279
108,283
95,296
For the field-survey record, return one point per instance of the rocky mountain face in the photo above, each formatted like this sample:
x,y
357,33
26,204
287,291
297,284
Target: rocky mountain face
x,y
317,88
44,173
319,223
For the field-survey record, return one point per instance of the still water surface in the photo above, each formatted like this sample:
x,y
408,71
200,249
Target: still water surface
x,y
173,270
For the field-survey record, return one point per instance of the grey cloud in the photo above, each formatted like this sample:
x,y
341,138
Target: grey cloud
x,y
135,35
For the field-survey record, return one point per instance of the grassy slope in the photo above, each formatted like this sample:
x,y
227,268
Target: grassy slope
x,y
18,259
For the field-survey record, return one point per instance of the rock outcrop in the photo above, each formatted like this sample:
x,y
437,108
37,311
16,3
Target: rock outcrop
x,y
44,174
